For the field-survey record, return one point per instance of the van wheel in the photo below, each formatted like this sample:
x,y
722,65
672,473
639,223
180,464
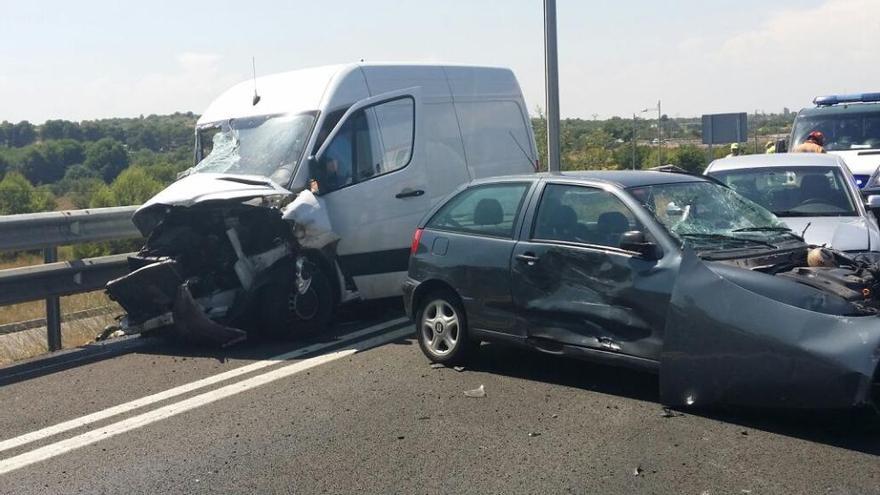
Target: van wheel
x,y
442,330
289,315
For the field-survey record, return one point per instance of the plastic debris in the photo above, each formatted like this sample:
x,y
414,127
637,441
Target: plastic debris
x,y
554,416
458,368
534,434
476,393
437,366
669,413
637,471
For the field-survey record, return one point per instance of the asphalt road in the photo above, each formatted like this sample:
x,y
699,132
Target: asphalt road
x,y
344,419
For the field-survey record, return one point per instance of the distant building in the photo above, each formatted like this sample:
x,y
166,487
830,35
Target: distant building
x,y
786,111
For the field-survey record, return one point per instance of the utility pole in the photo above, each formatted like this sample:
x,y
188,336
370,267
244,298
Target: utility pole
x,y
551,67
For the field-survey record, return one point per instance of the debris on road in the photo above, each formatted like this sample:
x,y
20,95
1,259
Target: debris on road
x,y
669,413
458,368
437,366
637,471
476,393
534,434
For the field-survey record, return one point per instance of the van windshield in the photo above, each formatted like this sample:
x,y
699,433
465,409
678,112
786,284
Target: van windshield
x,y
269,146
847,131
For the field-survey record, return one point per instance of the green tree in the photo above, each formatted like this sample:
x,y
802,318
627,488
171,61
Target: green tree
x,y
107,157
22,134
17,195
134,186
32,164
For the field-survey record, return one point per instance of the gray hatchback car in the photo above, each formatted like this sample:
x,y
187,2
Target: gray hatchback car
x,y
667,272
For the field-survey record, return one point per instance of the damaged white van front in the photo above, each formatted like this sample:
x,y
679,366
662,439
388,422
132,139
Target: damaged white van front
x,y
305,190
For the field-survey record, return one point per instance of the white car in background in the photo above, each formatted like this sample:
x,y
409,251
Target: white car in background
x,y
814,194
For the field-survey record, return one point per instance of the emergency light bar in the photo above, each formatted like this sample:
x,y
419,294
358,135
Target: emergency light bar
x,y
826,101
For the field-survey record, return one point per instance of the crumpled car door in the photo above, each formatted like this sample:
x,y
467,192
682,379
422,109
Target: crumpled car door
x,y
727,344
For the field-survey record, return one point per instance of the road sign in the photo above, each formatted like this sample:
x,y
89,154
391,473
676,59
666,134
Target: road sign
x,y
723,128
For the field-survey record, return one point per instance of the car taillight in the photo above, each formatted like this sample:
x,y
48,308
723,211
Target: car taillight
x,y
417,238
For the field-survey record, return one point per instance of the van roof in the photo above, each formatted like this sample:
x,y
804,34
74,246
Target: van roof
x,y
311,89
841,109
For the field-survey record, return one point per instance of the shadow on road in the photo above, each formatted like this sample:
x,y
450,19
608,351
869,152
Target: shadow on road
x,y
350,318
852,430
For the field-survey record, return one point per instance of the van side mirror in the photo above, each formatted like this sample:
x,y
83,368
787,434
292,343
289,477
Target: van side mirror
x,y
637,242
873,202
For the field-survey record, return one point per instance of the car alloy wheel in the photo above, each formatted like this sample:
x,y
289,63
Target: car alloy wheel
x,y
440,328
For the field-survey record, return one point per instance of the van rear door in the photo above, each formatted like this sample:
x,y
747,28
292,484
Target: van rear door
x,y
370,173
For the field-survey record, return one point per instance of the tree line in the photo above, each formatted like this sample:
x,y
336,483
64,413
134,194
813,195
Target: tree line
x,y
62,164
65,164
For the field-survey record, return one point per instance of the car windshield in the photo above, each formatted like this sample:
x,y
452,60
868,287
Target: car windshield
x,y
848,131
269,146
711,215
793,191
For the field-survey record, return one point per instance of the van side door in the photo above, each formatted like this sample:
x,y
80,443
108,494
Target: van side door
x,y
370,175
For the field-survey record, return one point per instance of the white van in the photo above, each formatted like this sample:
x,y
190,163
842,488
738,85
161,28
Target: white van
x,y
384,143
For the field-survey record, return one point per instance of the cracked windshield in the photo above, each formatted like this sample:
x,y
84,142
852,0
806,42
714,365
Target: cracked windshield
x,y
707,213
267,146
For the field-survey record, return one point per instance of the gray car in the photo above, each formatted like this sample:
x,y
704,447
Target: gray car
x,y
671,273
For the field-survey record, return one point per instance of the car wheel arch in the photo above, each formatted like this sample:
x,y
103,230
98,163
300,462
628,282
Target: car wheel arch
x,y
428,287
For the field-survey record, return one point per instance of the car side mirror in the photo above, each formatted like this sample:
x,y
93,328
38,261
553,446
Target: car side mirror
x,y
873,202
637,242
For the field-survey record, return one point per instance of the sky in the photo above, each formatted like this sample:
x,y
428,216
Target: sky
x,y
95,59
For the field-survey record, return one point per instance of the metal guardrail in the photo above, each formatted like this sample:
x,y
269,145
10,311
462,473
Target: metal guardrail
x,y
54,279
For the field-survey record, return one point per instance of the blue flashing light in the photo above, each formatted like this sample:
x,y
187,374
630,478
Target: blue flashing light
x,y
826,101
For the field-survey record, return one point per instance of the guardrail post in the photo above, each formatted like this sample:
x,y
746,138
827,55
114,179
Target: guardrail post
x,y
53,307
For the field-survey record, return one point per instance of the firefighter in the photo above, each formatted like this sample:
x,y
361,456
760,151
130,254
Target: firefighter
x,y
734,150
814,143
770,147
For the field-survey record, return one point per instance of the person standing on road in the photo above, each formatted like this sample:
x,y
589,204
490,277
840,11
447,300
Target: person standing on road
x,y
770,147
734,150
814,143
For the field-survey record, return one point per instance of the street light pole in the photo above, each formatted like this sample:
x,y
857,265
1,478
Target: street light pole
x,y
634,142
552,85
659,136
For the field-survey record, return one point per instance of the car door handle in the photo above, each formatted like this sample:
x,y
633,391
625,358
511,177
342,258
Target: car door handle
x,y
528,258
409,193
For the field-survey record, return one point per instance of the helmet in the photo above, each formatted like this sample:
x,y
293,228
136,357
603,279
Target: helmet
x,y
770,144
734,146
816,137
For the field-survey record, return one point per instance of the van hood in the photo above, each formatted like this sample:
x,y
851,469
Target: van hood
x,y
841,233
200,188
860,162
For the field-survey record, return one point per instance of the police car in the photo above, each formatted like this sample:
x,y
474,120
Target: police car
x,y
851,125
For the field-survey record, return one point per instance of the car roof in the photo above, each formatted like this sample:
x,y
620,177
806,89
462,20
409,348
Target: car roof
x,y
775,160
621,178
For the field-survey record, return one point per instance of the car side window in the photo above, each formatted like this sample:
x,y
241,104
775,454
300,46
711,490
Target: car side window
x,y
373,141
585,215
488,210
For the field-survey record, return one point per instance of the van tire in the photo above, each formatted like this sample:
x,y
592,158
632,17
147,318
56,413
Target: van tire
x,y
441,328
288,315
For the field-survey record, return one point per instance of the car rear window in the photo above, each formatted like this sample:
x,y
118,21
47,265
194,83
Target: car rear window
x,y
486,210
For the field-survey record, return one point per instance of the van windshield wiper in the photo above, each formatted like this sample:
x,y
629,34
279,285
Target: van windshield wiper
x,y
723,237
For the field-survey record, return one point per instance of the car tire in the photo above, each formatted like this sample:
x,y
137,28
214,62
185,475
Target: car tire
x,y
441,327
289,315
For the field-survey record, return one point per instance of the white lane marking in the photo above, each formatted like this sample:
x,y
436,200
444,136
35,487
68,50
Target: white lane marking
x,y
188,387
88,438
